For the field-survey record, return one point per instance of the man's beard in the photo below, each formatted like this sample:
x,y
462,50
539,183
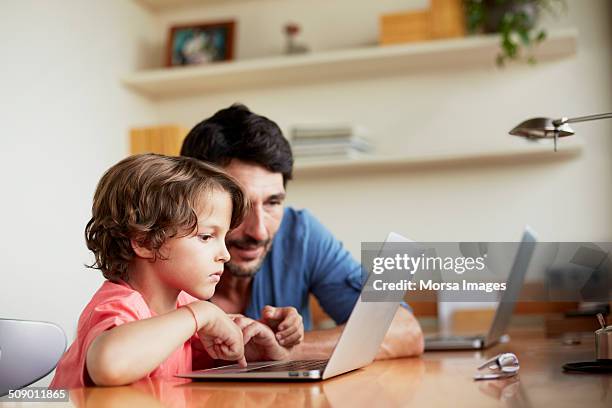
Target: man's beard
x,y
248,242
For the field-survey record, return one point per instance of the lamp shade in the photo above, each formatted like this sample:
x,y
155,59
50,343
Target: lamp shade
x,y
541,128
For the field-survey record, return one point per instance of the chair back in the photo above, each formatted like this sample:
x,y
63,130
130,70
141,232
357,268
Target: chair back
x,y
29,350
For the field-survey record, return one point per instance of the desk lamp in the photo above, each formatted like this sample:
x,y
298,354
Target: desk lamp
x,y
547,128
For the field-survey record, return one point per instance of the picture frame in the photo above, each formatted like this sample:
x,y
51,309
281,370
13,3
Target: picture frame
x,y
200,43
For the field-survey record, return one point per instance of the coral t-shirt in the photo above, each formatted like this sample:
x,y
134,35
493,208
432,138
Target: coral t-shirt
x,y
114,304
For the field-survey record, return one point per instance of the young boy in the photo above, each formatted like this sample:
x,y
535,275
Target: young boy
x,y
158,235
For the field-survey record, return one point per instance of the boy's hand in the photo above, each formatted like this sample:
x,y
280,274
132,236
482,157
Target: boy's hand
x,y
221,337
259,341
286,323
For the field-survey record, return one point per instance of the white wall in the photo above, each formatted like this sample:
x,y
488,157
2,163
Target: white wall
x,y
63,122
65,119
436,110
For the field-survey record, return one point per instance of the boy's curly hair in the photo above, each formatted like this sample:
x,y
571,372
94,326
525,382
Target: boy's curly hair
x,y
150,198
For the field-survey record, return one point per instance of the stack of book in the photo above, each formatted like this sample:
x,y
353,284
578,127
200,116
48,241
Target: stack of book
x,y
329,141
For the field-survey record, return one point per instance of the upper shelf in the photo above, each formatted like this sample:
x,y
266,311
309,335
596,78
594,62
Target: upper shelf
x,y
342,64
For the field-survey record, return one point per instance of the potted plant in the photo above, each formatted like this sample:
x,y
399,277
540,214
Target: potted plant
x,y
514,20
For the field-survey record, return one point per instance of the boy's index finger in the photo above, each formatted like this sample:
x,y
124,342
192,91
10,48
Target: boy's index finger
x,y
242,362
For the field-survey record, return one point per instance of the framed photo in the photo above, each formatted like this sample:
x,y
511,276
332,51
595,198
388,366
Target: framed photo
x,y
200,43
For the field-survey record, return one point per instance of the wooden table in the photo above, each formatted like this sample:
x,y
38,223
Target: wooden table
x,y
437,379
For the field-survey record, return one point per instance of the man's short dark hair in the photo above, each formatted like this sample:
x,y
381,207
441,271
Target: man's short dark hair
x,y
238,133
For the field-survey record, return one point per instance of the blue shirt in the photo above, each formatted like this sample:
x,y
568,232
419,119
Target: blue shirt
x,y
306,258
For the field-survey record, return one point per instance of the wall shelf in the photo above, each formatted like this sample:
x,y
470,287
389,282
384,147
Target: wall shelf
x,y
520,153
334,65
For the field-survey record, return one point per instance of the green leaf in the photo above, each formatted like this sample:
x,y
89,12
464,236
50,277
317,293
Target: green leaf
x,y
509,47
514,28
541,36
524,36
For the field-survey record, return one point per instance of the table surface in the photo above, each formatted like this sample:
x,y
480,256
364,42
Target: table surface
x,y
435,379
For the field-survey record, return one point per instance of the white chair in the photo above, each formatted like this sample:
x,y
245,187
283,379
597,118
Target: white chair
x,y
29,350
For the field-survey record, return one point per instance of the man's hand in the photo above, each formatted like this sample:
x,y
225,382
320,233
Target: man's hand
x,y
221,337
259,341
403,339
286,323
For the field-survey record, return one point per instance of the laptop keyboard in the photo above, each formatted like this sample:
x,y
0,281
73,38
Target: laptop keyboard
x,y
298,365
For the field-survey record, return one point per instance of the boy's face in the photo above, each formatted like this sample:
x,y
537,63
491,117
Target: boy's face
x,y
251,241
194,263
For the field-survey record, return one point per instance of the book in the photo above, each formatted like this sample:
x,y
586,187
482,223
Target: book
x,y
330,148
331,156
356,140
326,131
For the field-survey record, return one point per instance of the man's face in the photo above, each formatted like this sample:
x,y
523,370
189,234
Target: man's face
x,y
250,242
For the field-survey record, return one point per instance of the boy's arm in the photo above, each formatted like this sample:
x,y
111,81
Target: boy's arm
x,y
126,353
403,339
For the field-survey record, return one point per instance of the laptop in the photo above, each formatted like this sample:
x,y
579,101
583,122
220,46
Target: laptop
x,y
358,344
504,308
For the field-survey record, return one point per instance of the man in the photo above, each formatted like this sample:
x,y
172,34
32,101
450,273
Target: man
x,y
279,256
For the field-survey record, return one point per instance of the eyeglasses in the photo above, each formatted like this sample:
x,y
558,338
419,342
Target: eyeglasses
x,y
501,366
